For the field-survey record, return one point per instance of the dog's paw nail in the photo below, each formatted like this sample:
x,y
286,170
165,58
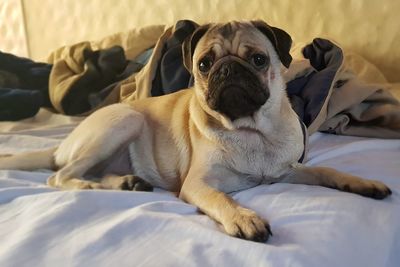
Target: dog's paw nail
x,y
268,229
372,189
247,225
389,192
240,234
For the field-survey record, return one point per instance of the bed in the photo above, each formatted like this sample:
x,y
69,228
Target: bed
x,y
311,225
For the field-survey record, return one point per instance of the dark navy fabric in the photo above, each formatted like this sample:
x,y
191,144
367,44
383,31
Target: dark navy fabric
x,y
305,135
23,87
171,75
31,75
294,90
17,104
309,93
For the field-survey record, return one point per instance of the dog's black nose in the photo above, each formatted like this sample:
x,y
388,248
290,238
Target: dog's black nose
x,y
230,69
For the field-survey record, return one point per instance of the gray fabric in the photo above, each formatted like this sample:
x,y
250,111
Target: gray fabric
x,y
361,109
335,101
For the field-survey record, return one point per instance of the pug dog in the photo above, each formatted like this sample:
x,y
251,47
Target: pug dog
x,y
235,129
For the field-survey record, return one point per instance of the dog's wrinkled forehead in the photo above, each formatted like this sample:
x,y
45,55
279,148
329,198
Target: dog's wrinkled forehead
x,y
235,38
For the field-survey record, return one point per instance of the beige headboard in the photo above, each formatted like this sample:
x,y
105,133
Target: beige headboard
x,y
370,28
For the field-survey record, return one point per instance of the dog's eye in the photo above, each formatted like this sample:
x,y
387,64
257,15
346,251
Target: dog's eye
x,y
259,60
205,64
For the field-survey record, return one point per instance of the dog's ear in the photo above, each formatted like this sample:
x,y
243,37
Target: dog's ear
x,y
280,39
189,45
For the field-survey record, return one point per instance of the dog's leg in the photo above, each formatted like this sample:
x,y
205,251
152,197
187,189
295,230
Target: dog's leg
x,y
331,178
94,140
236,220
32,160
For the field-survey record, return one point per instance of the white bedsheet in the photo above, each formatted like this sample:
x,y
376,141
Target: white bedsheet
x,y
312,226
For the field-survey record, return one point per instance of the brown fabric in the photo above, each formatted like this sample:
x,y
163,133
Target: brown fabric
x,y
139,86
69,63
65,72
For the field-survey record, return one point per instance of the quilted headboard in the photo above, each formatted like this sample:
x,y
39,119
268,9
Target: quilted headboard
x,y
371,28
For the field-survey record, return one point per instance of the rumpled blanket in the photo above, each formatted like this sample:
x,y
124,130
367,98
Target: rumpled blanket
x,y
329,97
325,91
80,81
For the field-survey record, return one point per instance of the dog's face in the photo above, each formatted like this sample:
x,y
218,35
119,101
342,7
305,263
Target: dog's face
x,y
235,65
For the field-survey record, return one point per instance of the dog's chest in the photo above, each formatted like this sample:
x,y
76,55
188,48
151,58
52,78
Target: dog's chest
x,y
262,159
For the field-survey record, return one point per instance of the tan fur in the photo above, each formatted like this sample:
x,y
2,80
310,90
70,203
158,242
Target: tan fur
x,y
29,160
177,142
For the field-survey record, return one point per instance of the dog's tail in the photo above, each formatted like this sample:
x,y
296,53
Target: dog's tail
x,y
28,161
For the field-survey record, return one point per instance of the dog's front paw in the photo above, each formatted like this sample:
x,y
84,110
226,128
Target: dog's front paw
x,y
135,183
368,188
248,225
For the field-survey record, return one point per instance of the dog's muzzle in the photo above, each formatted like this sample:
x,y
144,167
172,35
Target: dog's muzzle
x,y
235,91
